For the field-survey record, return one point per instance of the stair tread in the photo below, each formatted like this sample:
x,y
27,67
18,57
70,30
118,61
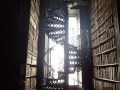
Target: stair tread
x,y
56,13
54,20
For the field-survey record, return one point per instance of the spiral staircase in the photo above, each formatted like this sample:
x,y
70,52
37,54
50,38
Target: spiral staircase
x,y
56,30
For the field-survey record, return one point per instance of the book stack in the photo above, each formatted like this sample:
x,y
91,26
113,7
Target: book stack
x,y
31,64
104,45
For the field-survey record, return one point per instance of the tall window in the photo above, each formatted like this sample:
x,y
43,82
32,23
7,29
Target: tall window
x,y
72,35
57,57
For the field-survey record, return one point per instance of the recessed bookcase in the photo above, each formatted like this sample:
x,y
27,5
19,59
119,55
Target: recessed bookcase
x,y
31,64
104,45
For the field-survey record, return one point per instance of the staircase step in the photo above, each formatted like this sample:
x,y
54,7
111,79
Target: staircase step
x,y
72,46
54,24
52,87
54,29
73,56
72,49
56,32
59,30
54,81
73,52
74,59
56,12
56,36
55,19
74,64
52,84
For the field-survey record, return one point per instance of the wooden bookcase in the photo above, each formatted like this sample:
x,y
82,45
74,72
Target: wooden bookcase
x,y
32,51
104,45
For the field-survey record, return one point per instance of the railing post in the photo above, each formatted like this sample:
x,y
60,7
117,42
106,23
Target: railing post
x,y
66,48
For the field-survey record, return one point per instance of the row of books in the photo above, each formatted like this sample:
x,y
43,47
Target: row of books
x,y
32,41
34,62
100,85
107,34
108,45
110,73
35,44
33,31
31,59
93,18
105,46
93,4
106,25
35,4
103,14
31,71
103,40
92,1
34,15
93,15
95,42
30,37
103,5
33,36
31,68
28,73
96,51
35,51
94,35
96,4
105,21
30,83
103,18
107,12
33,82
31,28
109,58
33,22
104,59
34,11
32,49
102,28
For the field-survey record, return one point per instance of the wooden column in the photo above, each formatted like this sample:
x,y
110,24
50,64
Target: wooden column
x,y
87,71
41,45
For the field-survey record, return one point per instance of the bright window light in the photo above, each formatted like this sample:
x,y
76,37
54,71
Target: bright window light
x,y
57,56
73,32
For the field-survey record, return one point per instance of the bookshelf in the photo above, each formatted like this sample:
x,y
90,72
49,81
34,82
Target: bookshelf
x,y
31,64
104,45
